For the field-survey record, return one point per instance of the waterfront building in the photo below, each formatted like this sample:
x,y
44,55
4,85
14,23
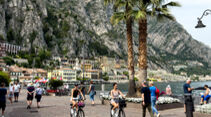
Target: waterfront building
x,y
65,74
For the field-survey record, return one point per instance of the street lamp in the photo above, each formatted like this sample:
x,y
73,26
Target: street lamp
x,y
200,24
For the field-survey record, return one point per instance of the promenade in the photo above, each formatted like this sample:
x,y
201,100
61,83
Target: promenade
x,y
54,106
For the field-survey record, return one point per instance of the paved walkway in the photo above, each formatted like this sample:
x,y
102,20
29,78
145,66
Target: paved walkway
x,y
59,107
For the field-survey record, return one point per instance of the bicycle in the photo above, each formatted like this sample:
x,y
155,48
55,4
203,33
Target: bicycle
x,y
121,113
79,112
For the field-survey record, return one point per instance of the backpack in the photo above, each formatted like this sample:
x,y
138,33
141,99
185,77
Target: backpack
x,y
157,92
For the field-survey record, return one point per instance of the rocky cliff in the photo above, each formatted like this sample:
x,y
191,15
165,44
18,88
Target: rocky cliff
x,y
65,26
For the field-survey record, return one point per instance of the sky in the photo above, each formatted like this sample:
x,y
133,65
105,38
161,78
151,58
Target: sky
x,y
187,16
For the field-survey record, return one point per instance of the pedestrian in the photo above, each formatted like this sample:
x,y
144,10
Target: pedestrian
x,y
30,95
168,90
11,92
3,93
38,96
83,90
206,96
146,99
17,89
92,92
153,98
189,105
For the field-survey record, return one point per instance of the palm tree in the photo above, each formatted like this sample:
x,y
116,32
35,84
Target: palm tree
x,y
126,6
158,9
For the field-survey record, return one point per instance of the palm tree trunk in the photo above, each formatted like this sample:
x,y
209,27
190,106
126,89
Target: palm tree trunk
x,y
131,88
142,50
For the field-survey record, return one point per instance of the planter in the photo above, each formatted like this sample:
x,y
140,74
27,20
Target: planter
x,y
52,94
169,106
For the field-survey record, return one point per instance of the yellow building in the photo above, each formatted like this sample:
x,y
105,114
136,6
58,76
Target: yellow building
x,y
91,74
66,74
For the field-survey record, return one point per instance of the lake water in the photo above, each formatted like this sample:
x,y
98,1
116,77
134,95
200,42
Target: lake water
x,y
177,87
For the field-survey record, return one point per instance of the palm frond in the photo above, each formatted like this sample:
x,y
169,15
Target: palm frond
x,y
172,4
138,14
117,17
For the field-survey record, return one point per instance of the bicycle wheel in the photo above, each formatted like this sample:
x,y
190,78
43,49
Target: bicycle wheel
x,y
80,113
122,113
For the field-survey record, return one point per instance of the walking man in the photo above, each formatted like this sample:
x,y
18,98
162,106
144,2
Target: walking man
x,y
189,105
146,99
30,95
153,98
17,89
3,93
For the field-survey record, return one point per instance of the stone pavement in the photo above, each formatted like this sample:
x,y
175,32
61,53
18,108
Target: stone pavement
x,y
59,107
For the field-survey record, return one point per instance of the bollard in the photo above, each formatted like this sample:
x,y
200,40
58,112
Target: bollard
x,y
103,87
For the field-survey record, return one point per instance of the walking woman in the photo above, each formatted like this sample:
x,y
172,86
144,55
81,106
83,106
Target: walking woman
x,y
92,92
11,92
38,96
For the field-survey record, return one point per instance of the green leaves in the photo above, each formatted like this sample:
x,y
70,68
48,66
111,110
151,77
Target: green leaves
x,y
117,17
139,14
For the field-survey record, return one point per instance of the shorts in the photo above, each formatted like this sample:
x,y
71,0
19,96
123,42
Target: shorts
x,y
206,98
115,101
38,97
10,95
2,105
30,97
74,99
16,94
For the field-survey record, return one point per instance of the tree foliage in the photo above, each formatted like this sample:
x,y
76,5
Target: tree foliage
x,y
54,84
4,77
9,61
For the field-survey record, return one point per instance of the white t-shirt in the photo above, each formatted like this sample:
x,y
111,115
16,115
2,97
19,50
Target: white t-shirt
x,y
11,88
16,88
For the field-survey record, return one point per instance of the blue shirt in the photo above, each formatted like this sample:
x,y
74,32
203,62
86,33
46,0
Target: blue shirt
x,y
3,93
185,87
153,90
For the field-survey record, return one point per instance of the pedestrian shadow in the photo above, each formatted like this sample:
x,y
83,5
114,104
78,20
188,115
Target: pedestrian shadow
x,y
47,106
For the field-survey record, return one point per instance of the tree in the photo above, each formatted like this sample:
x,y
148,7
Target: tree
x,y
4,77
160,10
105,76
118,16
54,84
9,61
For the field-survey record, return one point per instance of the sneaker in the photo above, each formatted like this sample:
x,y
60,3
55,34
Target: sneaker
x,y
116,115
112,112
71,111
158,115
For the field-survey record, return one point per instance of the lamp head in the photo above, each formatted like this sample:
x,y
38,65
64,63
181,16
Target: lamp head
x,y
200,24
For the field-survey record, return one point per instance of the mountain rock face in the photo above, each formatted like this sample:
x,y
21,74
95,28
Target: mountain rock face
x,y
65,27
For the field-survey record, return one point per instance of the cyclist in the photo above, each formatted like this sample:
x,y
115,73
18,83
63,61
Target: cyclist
x,y
115,93
74,96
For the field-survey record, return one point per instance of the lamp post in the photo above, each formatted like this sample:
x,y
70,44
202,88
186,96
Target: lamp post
x,y
200,24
